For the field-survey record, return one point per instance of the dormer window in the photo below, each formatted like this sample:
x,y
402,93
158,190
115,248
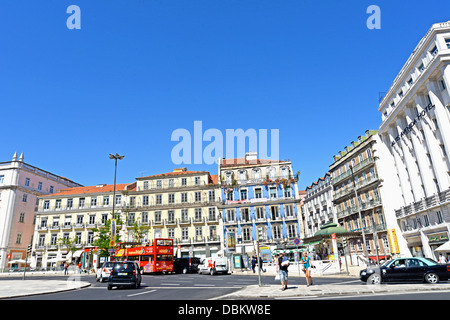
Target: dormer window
x,y
421,67
285,172
228,177
434,51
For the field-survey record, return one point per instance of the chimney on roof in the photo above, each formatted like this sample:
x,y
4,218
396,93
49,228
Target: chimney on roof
x,y
179,169
251,156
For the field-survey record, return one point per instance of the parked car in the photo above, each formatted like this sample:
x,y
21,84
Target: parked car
x,y
104,272
186,264
214,266
406,269
124,273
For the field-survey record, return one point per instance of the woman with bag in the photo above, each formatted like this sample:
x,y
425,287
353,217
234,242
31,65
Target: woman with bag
x,y
306,261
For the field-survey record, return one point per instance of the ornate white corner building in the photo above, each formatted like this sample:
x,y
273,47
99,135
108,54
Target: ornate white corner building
x,y
414,153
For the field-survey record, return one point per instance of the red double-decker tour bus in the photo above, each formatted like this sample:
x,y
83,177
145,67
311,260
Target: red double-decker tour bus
x,y
154,258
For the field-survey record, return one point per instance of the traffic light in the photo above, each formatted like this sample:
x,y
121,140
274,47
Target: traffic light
x,y
259,234
344,242
29,247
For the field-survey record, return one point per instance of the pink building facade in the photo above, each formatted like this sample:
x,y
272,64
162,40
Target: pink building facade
x,y
20,186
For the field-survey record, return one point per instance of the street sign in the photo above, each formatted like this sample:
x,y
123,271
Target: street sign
x,y
333,236
297,241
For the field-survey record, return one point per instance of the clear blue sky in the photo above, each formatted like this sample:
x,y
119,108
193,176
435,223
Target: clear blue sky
x,y
139,69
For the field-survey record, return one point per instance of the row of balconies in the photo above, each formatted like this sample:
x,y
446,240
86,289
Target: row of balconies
x,y
159,222
137,204
358,185
172,204
363,206
178,221
424,204
356,168
258,200
167,185
261,220
81,207
68,226
181,241
196,240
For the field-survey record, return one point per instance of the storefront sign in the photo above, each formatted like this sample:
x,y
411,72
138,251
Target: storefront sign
x,y
438,238
409,127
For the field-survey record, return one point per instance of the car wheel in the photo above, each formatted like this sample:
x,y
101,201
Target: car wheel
x,y
431,278
374,279
109,287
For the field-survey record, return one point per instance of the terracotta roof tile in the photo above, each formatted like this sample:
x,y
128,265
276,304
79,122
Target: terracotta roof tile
x,y
214,178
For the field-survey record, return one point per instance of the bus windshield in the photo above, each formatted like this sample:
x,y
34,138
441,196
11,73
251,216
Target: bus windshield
x,y
164,257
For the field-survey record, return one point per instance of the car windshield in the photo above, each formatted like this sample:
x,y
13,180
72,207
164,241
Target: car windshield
x,y
385,263
123,267
108,265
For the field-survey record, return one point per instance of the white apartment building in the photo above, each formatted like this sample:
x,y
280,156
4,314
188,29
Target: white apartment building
x,y
318,205
20,186
415,135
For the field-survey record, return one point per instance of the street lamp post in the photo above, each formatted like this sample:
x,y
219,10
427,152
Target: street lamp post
x,y
360,216
115,157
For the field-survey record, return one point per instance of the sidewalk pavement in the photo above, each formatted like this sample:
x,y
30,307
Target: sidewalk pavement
x,y
302,291
21,288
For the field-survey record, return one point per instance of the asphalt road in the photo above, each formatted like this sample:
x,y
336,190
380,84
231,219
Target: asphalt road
x,y
173,287
189,287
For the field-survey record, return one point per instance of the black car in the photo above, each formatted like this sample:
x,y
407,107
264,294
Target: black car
x,y
406,269
124,274
186,264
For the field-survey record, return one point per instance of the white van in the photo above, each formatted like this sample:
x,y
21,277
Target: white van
x,y
213,266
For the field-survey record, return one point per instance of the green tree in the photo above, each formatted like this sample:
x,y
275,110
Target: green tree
x,y
68,243
139,232
103,238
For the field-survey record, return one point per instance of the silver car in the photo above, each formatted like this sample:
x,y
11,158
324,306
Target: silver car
x,y
104,272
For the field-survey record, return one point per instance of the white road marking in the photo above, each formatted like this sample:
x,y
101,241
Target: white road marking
x,y
137,294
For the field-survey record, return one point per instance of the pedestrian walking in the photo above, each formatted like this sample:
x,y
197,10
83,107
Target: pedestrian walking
x,y
261,265
253,262
306,261
282,269
66,267
442,259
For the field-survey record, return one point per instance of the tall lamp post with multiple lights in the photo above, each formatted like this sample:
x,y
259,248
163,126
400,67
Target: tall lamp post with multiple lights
x,y
115,157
